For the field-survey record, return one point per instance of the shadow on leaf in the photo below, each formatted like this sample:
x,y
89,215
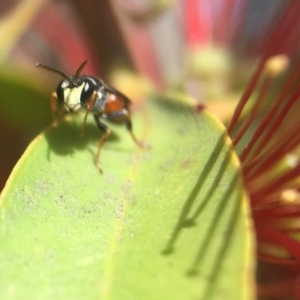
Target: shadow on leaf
x,y
65,139
196,203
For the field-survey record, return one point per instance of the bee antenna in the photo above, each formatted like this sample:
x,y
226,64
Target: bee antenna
x,y
81,67
54,71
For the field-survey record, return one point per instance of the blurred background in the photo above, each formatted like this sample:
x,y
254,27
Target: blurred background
x,y
207,49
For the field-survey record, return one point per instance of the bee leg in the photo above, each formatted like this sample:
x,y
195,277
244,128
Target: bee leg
x,y
53,104
124,116
106,134
57,109
129,128
88,109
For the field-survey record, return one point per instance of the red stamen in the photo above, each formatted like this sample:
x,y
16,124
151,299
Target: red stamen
x,y
223,26
278,120
293,78
283,31
269,215
276,290
245,97
280,238
259,100
198,22
280,261
283,181
267,159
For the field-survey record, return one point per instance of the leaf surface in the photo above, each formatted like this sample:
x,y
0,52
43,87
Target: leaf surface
x,y
169,222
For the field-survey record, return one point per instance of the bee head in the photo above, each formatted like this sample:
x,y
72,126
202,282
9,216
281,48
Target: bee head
x,y
72,90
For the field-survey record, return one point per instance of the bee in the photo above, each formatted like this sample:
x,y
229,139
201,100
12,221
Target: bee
x,y
95,96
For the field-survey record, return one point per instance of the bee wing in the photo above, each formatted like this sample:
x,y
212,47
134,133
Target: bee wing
x,y
116,92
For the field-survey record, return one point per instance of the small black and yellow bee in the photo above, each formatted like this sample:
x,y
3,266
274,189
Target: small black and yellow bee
x,y
92,94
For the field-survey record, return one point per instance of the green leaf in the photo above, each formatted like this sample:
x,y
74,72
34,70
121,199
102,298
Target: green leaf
x,y
170,222
24,106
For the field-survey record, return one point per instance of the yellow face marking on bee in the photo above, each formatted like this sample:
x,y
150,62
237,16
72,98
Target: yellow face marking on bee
x,y
72,97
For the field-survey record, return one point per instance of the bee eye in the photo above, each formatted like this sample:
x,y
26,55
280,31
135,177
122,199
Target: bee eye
x,y
87,91
60,92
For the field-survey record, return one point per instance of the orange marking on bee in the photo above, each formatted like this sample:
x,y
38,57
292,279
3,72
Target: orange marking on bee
x,y
113,103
